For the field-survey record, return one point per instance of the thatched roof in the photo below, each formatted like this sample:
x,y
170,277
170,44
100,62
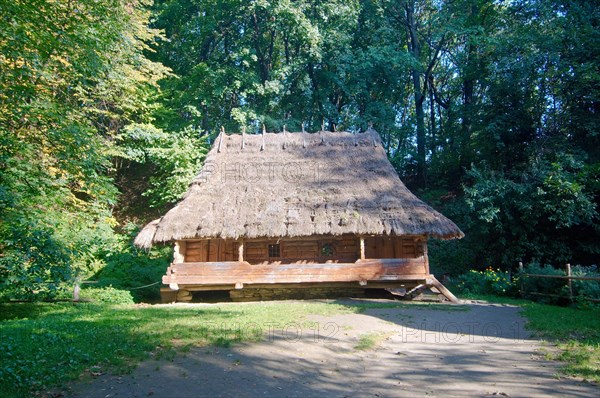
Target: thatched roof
x,y
297,184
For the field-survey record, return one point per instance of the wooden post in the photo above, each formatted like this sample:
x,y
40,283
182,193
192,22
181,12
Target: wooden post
x,y
76,292
362,248
425,256
521,277
570,283
241,250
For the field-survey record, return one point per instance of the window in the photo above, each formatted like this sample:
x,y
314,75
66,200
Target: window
x,y
327,250
274,250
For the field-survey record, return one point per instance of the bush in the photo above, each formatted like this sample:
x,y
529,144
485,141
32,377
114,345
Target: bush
x,y
584,289
535,288
489,281
33,264
131,270
108,295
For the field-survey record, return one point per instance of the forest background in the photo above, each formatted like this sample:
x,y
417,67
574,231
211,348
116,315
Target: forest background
x,y
488,110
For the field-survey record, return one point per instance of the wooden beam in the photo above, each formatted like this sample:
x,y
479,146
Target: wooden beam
x,y
233,272
442,289
407,283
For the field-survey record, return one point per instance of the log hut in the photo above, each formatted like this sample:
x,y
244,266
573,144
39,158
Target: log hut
x,y
297,214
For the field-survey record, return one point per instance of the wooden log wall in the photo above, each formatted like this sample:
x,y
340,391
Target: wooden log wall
x,y
342,249
393,247
211,250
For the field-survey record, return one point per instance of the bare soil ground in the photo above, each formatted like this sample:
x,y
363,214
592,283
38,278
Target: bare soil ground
x,y
475,350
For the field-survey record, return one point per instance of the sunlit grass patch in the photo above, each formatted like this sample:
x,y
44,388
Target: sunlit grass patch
x,y
44,345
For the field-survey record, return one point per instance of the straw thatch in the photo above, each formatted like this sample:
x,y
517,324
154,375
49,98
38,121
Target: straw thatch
x,y
297,184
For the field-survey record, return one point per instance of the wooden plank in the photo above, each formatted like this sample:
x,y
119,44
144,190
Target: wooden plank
x,y
195,252
194,244
387,248
442,289
214,249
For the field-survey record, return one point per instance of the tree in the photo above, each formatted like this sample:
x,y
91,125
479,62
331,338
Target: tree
x,y
72,74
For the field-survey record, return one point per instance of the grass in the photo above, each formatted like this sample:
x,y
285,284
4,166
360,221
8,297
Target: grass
x,y
574,330
45,345
368,341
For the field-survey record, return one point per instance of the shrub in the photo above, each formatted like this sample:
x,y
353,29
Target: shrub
x,y
537,288
107,294
489,281
131,270
585,289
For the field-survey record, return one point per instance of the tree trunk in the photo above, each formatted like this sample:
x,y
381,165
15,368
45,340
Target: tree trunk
x,y
414,47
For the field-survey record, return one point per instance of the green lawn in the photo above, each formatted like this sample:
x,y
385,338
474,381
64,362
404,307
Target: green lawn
x,y
43,345
576,331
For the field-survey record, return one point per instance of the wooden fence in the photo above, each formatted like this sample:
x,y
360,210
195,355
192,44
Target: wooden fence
x,y
568,277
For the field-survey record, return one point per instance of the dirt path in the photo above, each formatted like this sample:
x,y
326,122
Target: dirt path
x,y
478,350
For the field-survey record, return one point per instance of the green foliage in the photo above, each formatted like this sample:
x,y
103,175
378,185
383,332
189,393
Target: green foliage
x,y
545,285
492,282
130,269
489,281
585,289
489,108
108,295
32,265
548,195
73,74
175,159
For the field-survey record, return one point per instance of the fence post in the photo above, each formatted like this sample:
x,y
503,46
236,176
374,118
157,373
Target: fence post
x,y
569,283
521,277
76,292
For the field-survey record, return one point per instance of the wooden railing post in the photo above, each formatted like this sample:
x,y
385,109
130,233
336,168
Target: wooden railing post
x,y
76,291
570,283
425,255
521,277
241,250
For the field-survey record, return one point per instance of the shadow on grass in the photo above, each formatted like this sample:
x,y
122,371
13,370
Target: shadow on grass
x,y
44,345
